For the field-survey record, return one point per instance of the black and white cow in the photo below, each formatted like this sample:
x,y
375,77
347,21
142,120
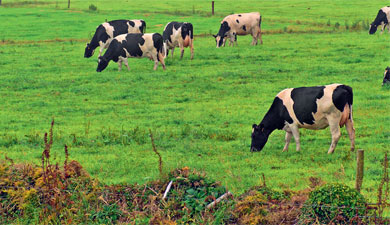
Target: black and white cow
x,y
307,107
178,34
239,24
105,32
382,18
133,45
386,78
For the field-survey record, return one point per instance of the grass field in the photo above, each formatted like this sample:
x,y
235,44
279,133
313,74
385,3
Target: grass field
x,y
199,111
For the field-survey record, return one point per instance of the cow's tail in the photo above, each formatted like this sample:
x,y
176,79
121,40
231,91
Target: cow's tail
x,y
260,22
347,112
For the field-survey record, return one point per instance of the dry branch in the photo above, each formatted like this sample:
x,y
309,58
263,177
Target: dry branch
x,y
167,190
211,205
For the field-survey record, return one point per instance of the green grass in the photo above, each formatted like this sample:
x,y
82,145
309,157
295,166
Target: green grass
x,y
200,111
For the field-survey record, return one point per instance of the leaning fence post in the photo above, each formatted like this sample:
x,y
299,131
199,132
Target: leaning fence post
x,y
68,4
212,8
359,169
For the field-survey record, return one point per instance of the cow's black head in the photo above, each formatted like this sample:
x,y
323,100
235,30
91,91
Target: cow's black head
x,y
259,137
373,28
102,64
88,51
386,78
220,38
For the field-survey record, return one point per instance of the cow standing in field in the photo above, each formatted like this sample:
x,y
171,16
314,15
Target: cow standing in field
x,y
386,78
382,18
239,24
105,32
133,45
177,34
307,107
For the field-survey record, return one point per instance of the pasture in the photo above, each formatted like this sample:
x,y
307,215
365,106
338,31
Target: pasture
x,y
200,111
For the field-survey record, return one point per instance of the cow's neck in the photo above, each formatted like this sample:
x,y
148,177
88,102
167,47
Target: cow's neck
x,y
94,42
273,119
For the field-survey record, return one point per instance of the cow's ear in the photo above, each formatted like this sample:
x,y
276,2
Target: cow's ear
x,y
261,127
215,36
254,126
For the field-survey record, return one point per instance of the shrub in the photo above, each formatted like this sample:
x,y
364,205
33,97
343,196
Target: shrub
x,y
333,202
92,7
251,210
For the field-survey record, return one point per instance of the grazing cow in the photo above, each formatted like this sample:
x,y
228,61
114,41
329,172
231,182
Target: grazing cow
x,y
239,24
382,18
307,107
133,45
177,34
386,78
105,32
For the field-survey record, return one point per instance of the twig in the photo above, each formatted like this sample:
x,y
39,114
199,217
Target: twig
x,y
155,151
211,205
167,190
264,184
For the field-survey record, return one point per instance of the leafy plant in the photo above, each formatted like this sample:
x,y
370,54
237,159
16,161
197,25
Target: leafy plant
x,y
107,215
334,202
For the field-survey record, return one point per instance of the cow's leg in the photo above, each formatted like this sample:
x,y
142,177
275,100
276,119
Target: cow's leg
x,y
126,64
383,27
172,52
232,40
351,132
161,59
155,59
287,139
295,133
254,41
181,50
192,48
119,65
254,36
335,132
259,36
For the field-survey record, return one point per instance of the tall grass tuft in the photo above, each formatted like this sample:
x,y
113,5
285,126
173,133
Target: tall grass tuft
x,y
92,7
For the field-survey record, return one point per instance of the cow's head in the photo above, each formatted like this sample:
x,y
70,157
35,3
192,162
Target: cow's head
x,y
373,28
88,51
102,64
259,137
185,30
386,78
220,38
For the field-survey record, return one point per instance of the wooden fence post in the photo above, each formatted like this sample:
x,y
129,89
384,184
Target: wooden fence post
x,y
212,8
0,2
68,4
359,169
